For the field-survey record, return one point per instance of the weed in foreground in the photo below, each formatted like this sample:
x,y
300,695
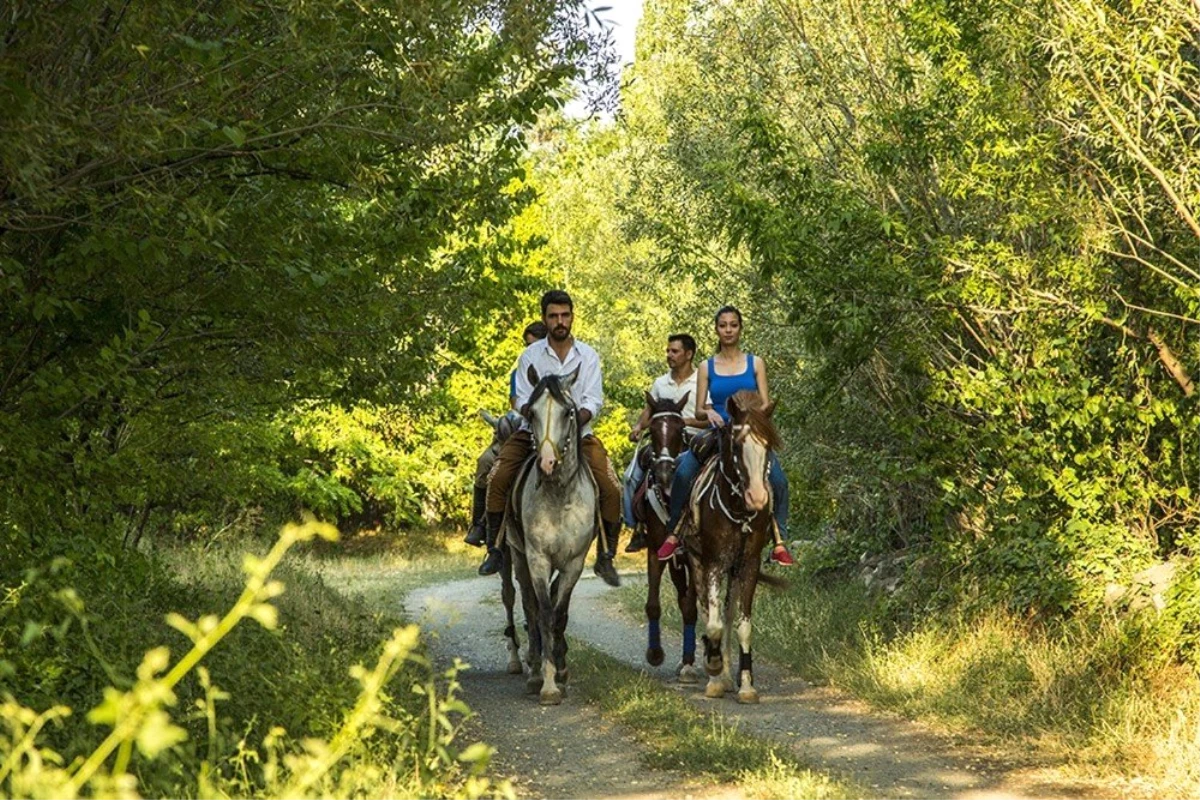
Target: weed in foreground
x,y
419,758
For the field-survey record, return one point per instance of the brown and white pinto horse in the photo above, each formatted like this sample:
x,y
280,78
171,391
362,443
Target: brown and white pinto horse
x,y
666,443
731,508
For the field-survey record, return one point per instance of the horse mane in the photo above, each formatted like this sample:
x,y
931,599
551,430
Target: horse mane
x,y
750,405
552,384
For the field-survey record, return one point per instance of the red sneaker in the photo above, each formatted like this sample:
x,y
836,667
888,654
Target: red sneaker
x,y
782,557
667,551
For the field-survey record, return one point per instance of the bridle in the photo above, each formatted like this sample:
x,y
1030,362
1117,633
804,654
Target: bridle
x,y
736,485
545,437
661,456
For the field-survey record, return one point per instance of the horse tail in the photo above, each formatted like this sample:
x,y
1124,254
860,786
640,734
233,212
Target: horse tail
x,y
773,581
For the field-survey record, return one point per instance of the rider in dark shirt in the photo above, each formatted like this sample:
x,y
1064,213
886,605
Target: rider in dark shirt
x,y
476,536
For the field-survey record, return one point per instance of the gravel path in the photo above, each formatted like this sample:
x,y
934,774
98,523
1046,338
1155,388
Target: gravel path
x,y
586,757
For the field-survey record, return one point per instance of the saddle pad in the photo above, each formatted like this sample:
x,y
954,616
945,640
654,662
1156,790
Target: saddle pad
x,y
704,481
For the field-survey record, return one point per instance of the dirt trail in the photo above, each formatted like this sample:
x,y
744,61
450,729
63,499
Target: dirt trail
x,y
589,758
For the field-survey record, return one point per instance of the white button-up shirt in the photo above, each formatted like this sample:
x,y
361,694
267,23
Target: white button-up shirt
x,y
588,389
667,388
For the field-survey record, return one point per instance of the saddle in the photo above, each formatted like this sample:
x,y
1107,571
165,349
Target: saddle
x,y
648,497
512,509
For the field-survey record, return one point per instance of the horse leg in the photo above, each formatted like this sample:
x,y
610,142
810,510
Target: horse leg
x,y
714,663
540,573
654,651
746,691
685,595
533,655
732,593
508,594
564,585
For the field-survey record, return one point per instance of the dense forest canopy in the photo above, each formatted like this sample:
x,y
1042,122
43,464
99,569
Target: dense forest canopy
x,y
964,236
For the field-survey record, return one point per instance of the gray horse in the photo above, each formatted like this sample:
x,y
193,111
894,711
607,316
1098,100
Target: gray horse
x,y
551,523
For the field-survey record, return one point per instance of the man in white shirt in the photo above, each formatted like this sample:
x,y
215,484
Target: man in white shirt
x,y
680,379
558,354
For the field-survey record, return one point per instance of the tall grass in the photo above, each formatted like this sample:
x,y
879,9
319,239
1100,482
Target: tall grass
x,y
1083,691
262,692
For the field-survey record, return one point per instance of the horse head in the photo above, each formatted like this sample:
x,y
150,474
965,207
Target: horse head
x,y
666,435
746,449
503,426
554,423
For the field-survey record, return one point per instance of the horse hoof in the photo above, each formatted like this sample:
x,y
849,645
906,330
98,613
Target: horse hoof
x,y
550,697
715,690
728,683
689,674
654,656
748,696
533,685
515,668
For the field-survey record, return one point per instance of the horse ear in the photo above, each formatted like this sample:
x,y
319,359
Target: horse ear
x,y
649,399
681,402
488,418
568,380
734,409
532,375
769,408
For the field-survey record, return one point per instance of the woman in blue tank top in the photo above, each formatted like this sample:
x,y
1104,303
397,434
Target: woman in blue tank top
x,y
727,372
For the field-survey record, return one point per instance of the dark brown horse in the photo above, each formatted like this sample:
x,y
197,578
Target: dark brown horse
x,y
731,508
666,443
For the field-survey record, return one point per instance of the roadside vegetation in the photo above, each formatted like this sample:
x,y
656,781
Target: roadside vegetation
x,y
1082,693
277,686
680,737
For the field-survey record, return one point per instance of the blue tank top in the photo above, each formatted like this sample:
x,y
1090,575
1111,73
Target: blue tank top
x,y
723,387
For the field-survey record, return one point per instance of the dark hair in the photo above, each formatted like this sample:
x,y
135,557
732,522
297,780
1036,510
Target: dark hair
x,y
535,329
556,297
727,310
684,339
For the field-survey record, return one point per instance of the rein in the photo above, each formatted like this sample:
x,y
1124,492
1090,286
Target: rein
x,y
736,486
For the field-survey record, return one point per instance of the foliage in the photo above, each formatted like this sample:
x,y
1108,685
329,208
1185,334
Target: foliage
x,y
965,240
210,213
378,744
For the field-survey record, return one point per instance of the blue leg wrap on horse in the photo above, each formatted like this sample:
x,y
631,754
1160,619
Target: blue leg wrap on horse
x,y
689,640
655,641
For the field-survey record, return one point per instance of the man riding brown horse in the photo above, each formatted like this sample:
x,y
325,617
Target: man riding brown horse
x,y
558,354
678,382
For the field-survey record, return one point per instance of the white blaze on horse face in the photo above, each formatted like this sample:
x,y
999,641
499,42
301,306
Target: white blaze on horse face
x,y
550,426
754,453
